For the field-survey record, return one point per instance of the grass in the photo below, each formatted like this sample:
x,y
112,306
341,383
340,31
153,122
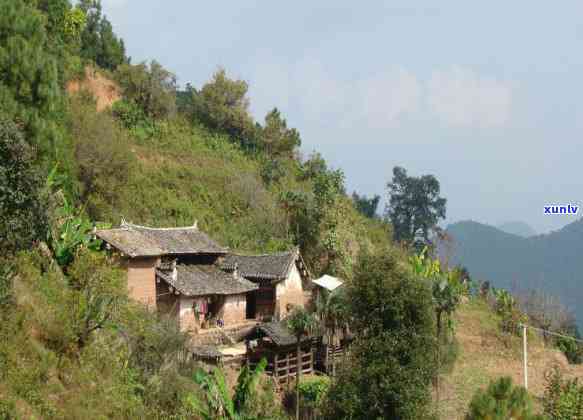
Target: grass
x,y
486,354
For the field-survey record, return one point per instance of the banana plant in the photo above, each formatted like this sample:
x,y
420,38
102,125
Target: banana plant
x,y
217,402
446,286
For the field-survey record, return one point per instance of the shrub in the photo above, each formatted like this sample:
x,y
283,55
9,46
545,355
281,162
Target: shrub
x,y
22,216
102,151
128,113
563,398
392,361
272,171
571,348
501,400
507,307
313,393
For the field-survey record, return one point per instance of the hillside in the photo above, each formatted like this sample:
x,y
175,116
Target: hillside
x,y
550,262
517,228
486,354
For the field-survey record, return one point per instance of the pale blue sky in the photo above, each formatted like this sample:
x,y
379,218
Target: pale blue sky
x,y
486,96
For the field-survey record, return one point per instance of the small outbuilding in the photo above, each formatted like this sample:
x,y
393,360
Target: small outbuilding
x,y
275,342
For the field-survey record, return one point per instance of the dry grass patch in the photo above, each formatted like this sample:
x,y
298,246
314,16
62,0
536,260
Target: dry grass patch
x,y
485,353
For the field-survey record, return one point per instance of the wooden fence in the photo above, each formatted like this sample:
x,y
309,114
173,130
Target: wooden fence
x,y
283,364
328,357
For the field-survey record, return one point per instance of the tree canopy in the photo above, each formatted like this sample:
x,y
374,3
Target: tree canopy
x,y
223,105
415,207
98,41
29,80
392,361
367,206
150,86
276,138
502,400
22,217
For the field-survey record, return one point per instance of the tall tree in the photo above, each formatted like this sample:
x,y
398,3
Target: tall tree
x,y
98,41
277,139
391,364
150,86
29,82
365,205
414,208
222,104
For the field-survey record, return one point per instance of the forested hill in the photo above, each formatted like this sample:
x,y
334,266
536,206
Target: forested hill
x,y
550,262
517,228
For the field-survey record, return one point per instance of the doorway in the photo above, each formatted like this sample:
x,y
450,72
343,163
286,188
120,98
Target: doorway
x,y
251,305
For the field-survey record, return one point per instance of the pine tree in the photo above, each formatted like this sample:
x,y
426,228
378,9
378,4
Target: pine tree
x,y
29,81
500,401
98,41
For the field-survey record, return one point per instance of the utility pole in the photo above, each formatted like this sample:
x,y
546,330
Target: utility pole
x,y
525,357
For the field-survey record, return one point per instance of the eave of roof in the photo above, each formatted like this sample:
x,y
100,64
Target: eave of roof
x,y
279,333
266,266
205,280
141,241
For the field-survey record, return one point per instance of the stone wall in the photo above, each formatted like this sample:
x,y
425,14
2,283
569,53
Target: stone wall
x,y
142,280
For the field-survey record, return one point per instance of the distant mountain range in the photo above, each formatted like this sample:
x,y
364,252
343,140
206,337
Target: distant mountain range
x,y
552,262
517,228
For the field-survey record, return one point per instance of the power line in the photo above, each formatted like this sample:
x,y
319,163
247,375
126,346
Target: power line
x,y
552,333
525,350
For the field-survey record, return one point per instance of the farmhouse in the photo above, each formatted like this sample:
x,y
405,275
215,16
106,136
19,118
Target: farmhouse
x,y
184,273
280,278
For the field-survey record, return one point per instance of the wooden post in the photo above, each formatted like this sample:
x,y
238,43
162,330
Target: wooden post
x,y
287,369
275,373
525,356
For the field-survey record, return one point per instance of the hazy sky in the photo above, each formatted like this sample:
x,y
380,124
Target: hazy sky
x,y
486,96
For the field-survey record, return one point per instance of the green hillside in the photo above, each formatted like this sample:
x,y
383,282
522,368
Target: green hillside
x,y
88,139
72,345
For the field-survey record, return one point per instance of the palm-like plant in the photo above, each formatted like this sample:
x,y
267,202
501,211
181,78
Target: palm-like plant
x,y
218,402
332,313
301,323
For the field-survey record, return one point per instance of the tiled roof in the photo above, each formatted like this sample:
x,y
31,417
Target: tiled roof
x,y
269,266
204,280
210,352
141,241
279,333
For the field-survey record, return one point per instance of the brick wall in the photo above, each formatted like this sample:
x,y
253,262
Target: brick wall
x,y
289,292
167,302
142,280
188,321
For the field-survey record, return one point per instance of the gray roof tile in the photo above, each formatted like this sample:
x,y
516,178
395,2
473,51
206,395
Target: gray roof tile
x,y
268,266
141,241
204,280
